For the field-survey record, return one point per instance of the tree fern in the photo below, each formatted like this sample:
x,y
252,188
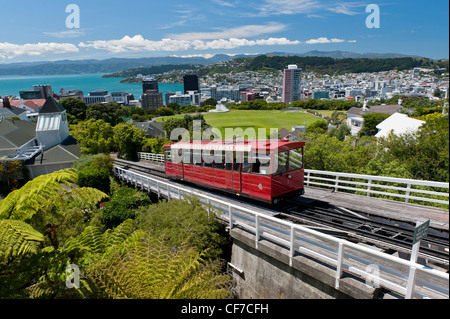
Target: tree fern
x,y
23,203
152,269
17,238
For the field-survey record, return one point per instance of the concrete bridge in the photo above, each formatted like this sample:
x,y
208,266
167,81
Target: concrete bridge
x,y
274,258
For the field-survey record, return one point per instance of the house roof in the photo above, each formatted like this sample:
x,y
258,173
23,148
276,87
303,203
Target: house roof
x,y
151,128
10,111
67,151
32,104
14,134
387,109
51,106
398,123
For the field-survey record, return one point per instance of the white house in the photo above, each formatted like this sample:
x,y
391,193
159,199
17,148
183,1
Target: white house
x,y
45,146
355,115
398,124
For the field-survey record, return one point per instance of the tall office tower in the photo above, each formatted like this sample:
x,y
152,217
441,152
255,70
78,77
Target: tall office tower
x,y
191,83
152,100
292,84
149,83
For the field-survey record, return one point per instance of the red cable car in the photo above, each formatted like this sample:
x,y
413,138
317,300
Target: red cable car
x,y
268,171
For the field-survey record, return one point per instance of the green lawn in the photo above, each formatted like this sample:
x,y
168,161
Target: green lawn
x,y
258,119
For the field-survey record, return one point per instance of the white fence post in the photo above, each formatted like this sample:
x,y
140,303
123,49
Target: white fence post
x,y
408,191
340,261
256,230
369,182
292,246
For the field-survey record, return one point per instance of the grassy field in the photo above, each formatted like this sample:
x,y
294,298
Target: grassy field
x,y
258,119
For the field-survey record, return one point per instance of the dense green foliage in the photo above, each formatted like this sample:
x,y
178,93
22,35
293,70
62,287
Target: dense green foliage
x,y
62,225
122,205
371,121
186,122
326,65
188,221
421,155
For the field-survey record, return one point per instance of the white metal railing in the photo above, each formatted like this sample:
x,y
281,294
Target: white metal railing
x,y
393,273
370,184
400,188
151,157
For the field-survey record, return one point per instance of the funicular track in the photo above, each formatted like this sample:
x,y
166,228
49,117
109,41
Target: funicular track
x,y
354,226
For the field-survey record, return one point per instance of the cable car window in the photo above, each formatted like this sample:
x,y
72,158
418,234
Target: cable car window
x,y
219,159
280,162
295,159
261,164
237,161
187,156
167,157
246,164
197,157
208,158
228,160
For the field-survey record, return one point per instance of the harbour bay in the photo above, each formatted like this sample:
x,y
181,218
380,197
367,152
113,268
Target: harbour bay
x,y
12,85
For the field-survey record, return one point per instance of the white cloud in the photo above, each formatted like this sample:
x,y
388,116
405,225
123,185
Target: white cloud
x,y
276,7
206,55
224,3
138,43
324,40
347,8
312,8
233,43
10,51
66,34
237,32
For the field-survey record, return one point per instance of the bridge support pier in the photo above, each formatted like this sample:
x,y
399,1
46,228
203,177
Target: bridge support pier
x,y
265,273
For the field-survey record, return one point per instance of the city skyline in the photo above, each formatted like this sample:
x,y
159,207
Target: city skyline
x,y
35,32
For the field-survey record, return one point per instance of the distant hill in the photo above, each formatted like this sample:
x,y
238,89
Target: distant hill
x,y
122,64
346,55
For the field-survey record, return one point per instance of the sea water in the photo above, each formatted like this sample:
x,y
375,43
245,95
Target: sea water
x,y
12,85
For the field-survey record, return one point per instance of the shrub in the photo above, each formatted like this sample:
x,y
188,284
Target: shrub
x,y
121,206
90,176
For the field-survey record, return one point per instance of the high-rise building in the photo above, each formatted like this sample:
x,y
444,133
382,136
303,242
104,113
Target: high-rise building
x,y
38,92
191,83
152,100
292,84
149,83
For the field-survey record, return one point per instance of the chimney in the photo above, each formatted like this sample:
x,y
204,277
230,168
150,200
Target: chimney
x,y
364,108
6,102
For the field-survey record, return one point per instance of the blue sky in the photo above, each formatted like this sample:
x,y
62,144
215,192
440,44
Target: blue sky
x,y
37,31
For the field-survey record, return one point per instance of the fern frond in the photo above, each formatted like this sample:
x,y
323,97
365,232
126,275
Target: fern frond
x,y
152,269
17,238
85,196
23,203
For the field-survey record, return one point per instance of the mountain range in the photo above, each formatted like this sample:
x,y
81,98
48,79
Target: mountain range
x,y
120,64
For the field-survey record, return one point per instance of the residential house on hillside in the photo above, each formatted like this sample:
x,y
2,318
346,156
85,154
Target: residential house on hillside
x,y
45,146
151,129
26,110
398,124
355,115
